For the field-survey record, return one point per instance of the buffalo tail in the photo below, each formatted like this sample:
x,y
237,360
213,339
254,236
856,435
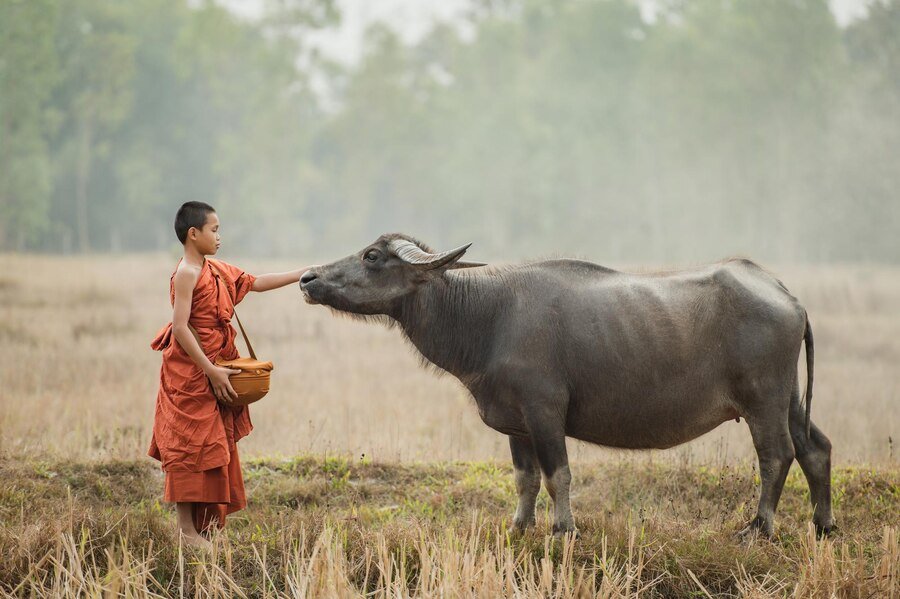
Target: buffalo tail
x,y
808,338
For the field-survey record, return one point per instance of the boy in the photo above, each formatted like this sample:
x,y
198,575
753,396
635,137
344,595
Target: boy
x,y
195,430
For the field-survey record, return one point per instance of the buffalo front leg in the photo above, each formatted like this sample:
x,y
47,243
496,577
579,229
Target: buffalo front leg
x,y
549,443
528,481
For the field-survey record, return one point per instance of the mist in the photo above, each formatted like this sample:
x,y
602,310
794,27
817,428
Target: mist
x,y
597,129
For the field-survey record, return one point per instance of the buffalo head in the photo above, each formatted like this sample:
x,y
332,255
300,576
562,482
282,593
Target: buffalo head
x,y
376,279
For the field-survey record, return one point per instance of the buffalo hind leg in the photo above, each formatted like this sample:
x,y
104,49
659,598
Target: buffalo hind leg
x,y
528,481
775,451
814,456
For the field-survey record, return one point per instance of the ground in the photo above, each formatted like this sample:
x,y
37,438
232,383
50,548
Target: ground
x,y
324,527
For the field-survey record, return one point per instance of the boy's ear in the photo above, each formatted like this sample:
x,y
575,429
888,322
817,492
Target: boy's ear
x,y
193,232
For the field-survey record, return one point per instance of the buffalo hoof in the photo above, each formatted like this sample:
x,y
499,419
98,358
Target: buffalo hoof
x,y
520,527
823,532
560,532
757,528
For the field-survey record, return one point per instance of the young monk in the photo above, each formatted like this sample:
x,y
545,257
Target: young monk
x,y
195,430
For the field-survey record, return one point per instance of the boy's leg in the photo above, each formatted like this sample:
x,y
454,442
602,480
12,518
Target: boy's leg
x,y
184,510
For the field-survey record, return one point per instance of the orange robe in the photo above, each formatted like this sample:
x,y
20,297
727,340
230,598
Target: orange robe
x,y
194,436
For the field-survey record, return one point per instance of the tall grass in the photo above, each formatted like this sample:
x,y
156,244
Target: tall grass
x,y
335,528
445,567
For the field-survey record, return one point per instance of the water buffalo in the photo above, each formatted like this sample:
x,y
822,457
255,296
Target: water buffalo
x,y
569,348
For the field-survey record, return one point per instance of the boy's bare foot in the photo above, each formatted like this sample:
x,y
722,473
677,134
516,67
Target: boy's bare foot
x,y
186,528
192,539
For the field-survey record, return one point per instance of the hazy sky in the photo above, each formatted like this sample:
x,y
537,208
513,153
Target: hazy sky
x,y
414,18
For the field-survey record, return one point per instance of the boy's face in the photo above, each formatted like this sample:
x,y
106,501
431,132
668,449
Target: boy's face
x,y
206,239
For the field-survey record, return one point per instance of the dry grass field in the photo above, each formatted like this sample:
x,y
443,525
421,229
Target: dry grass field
x,y
403,490
79,377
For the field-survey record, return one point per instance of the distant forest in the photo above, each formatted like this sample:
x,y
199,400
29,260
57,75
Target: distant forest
x,y
571,127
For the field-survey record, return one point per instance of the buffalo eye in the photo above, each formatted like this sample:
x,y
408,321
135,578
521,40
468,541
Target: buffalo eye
x,y
371,256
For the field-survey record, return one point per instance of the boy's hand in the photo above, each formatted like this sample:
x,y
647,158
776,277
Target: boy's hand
x,y
221,386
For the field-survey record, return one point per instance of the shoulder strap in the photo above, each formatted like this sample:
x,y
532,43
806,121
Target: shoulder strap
x,y
243,332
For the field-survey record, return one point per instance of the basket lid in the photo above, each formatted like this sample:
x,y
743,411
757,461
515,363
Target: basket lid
x,y
246,364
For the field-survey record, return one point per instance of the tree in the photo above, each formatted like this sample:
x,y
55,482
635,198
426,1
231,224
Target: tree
x,y
28,72
98,61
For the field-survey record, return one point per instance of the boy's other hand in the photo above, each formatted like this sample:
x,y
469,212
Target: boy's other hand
x,y
221,386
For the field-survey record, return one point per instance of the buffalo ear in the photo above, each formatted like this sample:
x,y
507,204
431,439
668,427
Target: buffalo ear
x,y
463,264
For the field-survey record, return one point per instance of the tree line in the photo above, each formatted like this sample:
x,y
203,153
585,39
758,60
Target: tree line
x,y
577,127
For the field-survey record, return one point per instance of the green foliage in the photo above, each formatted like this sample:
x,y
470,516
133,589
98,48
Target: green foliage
x,y
28,73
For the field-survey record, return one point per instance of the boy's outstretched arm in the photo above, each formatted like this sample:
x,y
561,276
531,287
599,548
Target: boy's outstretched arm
x,y
274,280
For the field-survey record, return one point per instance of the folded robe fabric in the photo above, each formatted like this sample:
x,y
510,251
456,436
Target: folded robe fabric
x,y
194,436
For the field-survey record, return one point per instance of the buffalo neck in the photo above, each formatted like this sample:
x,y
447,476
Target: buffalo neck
x,y
450,320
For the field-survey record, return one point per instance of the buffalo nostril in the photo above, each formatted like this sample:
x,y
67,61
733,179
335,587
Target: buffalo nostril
x,y
307,277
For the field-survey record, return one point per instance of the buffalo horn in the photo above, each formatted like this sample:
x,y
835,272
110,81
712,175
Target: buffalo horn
x,y
413,254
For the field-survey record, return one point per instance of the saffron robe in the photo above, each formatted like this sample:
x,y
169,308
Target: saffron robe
x,y
194,436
